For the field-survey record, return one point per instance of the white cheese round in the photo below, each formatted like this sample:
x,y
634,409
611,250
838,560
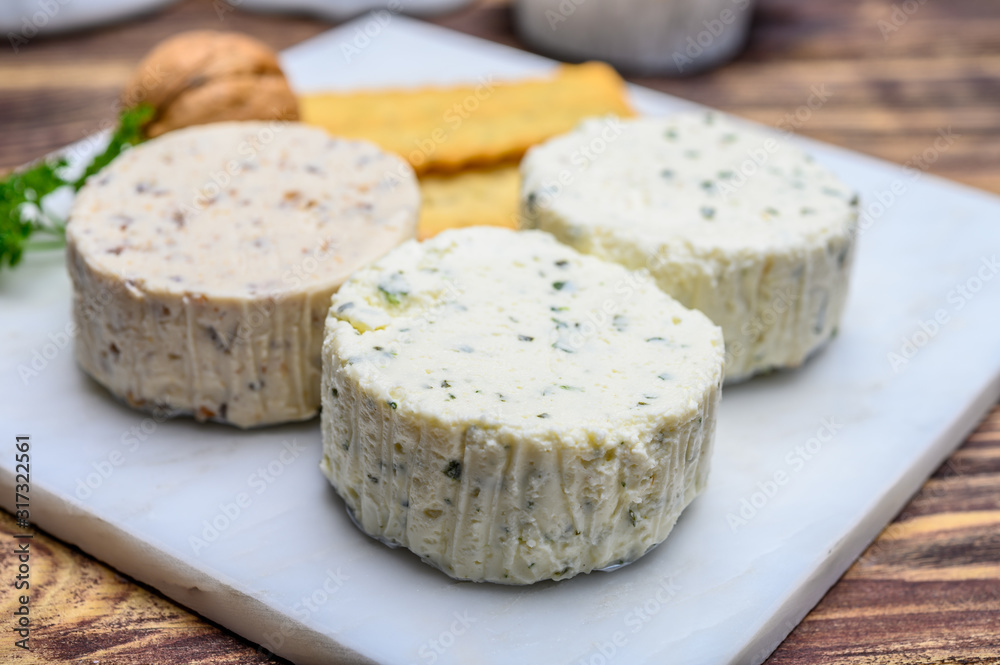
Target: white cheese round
x,y
730,220
513,411
203,263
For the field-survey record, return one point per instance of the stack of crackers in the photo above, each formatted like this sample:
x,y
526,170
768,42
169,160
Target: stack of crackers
x,y
465,142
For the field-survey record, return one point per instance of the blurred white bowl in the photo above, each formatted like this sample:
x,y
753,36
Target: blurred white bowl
x,y
339,10
642,36
21,20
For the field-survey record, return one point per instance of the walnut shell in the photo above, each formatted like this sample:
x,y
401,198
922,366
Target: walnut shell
x,y
206,76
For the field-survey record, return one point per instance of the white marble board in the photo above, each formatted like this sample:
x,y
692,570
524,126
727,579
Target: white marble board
x,y
290,572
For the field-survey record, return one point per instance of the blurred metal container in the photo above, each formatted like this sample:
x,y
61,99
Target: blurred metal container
x,y
675,37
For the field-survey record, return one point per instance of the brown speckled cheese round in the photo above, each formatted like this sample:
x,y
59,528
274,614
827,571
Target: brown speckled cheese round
x,y
203,263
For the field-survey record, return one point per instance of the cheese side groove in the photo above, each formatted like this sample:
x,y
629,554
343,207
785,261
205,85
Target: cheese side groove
x,y
203,263
730,221
513,411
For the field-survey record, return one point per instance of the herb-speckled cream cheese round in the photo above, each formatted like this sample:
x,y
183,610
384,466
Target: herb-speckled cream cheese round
x,y
511,410
730,220
203,263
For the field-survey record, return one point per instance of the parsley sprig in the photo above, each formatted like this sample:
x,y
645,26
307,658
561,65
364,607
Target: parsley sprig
x,y
21,213
25,224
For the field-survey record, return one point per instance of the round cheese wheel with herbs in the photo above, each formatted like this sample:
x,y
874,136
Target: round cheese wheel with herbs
x,y
203,263
513,411
730,220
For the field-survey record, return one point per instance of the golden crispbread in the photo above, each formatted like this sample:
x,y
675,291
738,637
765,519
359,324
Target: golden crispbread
x,y
447,129
472,197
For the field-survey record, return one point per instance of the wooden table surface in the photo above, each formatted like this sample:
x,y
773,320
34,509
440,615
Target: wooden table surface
x,y
927,591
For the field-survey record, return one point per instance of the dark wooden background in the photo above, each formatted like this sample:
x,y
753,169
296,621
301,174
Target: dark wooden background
x,y
927,591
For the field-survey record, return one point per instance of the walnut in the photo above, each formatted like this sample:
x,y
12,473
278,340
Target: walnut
x,y
206,76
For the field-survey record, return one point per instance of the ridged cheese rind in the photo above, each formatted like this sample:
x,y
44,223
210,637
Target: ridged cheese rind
x,y
203,263
730,220
513,411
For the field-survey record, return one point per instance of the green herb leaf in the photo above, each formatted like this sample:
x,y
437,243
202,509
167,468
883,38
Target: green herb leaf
x,y
389,295
394,287
22,193
453,470
127,134
21,213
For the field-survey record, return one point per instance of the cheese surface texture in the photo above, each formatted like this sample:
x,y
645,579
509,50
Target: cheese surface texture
x,y
203,263
730,220
511,410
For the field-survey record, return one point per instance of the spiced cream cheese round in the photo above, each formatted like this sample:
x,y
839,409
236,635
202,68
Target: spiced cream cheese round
x,y
203,263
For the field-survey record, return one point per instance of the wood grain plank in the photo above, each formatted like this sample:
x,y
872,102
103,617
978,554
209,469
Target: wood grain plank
x,y
83,611
67,76
928,590
50,116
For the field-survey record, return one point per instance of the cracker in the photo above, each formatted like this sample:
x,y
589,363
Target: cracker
x,y
446,129
474,197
